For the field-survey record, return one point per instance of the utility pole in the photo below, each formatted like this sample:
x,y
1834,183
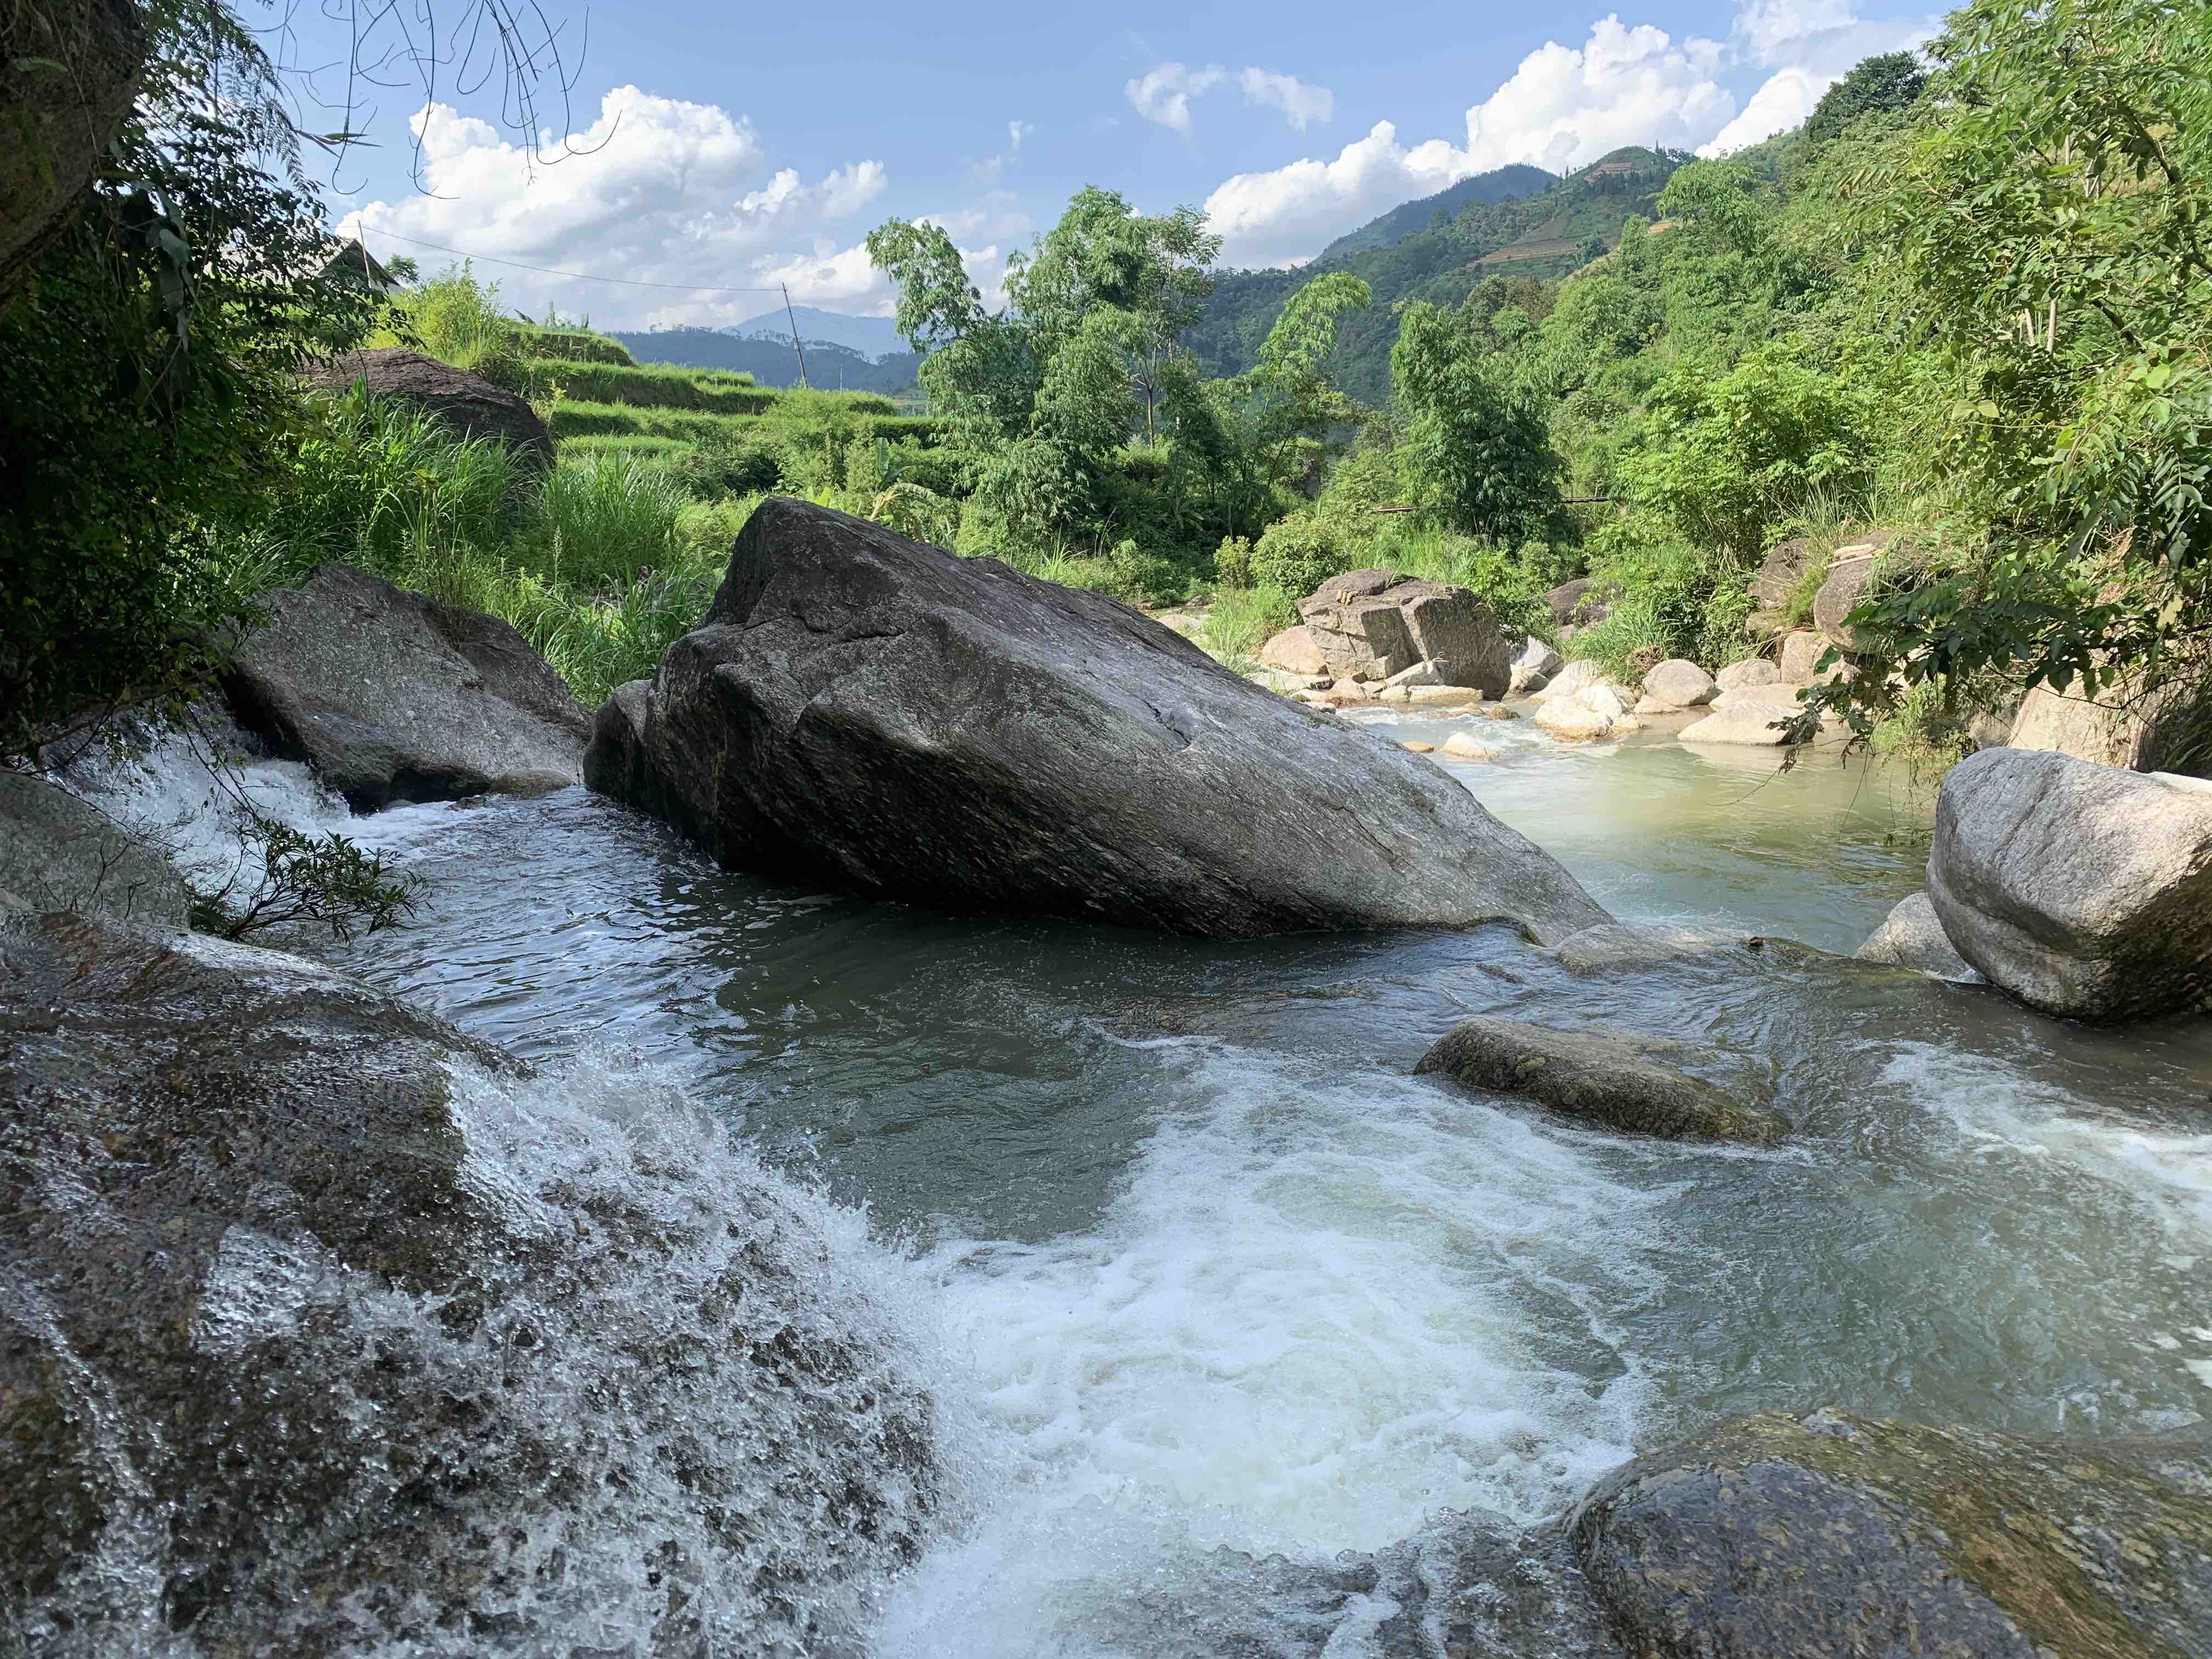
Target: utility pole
x,y
793,317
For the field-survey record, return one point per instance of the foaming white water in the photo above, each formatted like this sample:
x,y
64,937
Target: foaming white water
x,y
1992,1103
176,790
1323,1307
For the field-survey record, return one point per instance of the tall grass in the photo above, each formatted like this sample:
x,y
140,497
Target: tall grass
x,y
1241,620
608,517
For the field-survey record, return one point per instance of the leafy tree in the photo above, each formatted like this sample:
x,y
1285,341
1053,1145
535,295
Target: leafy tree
x,y
1481,452
1892,80
144,376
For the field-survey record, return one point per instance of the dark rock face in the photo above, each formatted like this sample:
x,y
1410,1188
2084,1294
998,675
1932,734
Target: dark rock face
x,y
67,76
325,1330
1605,1077
1373,624
392,697
868,709
1768,1538
58,852
469,404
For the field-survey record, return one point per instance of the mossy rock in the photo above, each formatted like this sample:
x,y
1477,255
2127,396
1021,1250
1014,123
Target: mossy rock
x,y
1832,1536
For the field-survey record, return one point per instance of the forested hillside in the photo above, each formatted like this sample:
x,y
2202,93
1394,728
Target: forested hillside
x,y
772,362
1410,253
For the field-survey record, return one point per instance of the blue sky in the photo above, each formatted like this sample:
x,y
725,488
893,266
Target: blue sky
x,y
745,151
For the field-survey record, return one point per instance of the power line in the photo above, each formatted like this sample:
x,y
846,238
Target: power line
x,y
573,275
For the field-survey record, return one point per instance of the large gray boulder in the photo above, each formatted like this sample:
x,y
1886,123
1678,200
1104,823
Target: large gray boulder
x,y
1620,1079
327,1331
59,853
1752,670
1373,625
1848,573
466,405
1820,1537
1910,935
860,708
394,696
2081,890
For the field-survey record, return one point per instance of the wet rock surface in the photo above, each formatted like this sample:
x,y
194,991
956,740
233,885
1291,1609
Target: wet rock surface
x,y
1769,1536
864,708
392,695
326,1330
2081,890
58,852
1912,936
1611,1077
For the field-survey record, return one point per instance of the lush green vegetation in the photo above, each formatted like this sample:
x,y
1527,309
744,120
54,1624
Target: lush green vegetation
x,y
1972,310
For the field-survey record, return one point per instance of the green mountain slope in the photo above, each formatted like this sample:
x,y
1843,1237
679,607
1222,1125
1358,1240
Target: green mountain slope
x,y
1541,235
1484,189
772,362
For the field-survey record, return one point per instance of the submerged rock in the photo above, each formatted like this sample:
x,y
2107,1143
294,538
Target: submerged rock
x,y
1767,1538
2081,890
864,708
467,405
392,695
58,852
328,1331
1605,1077
1910,935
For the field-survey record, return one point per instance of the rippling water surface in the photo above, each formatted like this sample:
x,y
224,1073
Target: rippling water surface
x,y
1214,1268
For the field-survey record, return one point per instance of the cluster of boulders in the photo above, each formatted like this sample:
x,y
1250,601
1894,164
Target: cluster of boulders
x,y
1377,636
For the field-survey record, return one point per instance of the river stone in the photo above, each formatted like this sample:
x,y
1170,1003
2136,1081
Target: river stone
x,y
1830,1537
1912,937
392,695
1775,582
1605,1077
1376,624
58,852
1571,720
2121,726
1751,723
1680,684
1753,670
1573,678
866,709
1295,651
1462,745
2080,891
466,405
1801,657
1532,668
1848,573
328,1331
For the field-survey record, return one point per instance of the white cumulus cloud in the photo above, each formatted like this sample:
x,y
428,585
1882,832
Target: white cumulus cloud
x,y
1783,102
655,189
1162,94
1299,103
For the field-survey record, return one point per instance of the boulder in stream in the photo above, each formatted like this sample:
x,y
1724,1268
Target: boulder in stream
x,y
1376,625
1610,1078
329,1331
2081,890
1678,683
1774,1538
1912,936
867,709
1752,670
392,695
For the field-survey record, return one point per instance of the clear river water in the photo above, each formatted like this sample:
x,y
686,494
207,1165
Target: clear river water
x,y
1192,1259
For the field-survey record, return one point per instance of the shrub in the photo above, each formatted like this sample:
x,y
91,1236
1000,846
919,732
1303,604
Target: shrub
x,y
1232,562
728,466
1298,553
921,513
1145,577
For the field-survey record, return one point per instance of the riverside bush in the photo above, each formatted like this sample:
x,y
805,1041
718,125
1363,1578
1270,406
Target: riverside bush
x,y
1298,553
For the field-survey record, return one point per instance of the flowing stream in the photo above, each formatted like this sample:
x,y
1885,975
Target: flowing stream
x,y
1209,1266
